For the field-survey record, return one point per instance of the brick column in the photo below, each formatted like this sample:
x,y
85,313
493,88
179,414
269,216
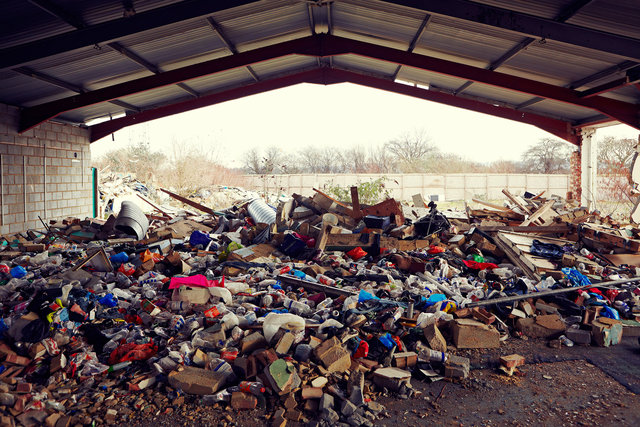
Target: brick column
x,y
575,172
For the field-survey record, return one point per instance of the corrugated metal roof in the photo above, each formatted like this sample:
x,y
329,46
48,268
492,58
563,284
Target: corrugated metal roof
x,y
278,20
14,14
558,63
375,25
18,89
217,81
561,109
194,39
362,64
599,15
270,22
283,65
543,8
156,97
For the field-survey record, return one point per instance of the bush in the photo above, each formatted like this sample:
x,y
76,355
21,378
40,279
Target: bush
x,y
369,193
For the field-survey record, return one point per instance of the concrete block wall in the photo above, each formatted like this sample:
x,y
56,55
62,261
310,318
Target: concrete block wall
x,y
44,172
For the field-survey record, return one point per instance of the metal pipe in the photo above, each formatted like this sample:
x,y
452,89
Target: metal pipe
x,y
2,187
44,177
24,186
317,287
551,292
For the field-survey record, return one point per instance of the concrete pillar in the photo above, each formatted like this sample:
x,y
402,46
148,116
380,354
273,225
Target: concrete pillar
x,y
589,173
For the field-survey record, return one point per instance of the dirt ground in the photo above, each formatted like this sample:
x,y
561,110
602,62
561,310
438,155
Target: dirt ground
x,y
569,386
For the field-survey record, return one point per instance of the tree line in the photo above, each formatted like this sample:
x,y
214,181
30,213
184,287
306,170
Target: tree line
x,y
415,153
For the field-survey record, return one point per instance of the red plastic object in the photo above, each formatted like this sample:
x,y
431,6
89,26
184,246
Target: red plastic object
x,y
356,253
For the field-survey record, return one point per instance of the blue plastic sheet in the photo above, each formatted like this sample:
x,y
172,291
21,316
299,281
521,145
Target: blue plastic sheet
x,y
387,341
575,277
365,296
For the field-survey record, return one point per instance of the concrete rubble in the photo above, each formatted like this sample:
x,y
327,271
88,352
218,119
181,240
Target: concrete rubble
x,y
309,310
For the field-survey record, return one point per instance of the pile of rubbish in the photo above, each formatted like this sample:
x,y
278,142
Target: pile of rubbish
x,y
116,187
310,310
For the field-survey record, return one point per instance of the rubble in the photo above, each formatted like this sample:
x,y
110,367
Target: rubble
x,y
310,310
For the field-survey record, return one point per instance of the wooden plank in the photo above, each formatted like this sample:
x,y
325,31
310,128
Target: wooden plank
x,y
490,205
191,203
154,206
516,201
418,201
537,214
619,259
337,202
355,201
544,229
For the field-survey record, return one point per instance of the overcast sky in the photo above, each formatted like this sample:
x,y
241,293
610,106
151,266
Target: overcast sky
x,y
341,115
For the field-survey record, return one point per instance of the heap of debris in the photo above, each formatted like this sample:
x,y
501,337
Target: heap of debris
x,y
311,309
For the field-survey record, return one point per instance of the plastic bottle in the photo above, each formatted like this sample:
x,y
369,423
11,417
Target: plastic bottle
x,y
221,396
324,304
254,387
296,307
390,322
180,306
223,367
432,355
177,322
565,341
325,280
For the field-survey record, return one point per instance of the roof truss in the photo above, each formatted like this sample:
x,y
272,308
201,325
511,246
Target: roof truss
x,y
324,75
529,25
322,45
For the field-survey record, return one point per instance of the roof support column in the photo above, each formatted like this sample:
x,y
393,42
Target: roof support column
x,y
589,168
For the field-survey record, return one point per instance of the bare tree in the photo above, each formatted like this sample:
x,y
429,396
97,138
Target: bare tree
x,y
547,156
310,159
381,160
615,152
357,159
411,149
252,161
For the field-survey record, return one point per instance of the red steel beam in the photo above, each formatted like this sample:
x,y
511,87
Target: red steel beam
x,y
32,116
622,111
103,129
322,45
557,127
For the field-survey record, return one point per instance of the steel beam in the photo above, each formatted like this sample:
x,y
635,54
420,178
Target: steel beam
x,y
105,128
113,30
73,20
529,25
566,13
560,128
66,85
412,44
229,44
148,65
619,68
325,45
32,116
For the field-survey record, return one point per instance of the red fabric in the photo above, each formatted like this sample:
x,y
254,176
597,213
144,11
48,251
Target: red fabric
x,y
356,253
479,265
435,250
362,350
132,351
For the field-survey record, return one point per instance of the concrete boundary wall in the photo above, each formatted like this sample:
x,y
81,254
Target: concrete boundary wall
x,y
44,172
403,186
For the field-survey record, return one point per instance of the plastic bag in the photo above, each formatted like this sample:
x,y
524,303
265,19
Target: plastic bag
x,y
274,321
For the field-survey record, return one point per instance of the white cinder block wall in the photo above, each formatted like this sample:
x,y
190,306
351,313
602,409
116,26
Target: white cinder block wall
x,y
54,160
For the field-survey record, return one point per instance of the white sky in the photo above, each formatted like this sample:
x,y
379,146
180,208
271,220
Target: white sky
x,y
341,115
